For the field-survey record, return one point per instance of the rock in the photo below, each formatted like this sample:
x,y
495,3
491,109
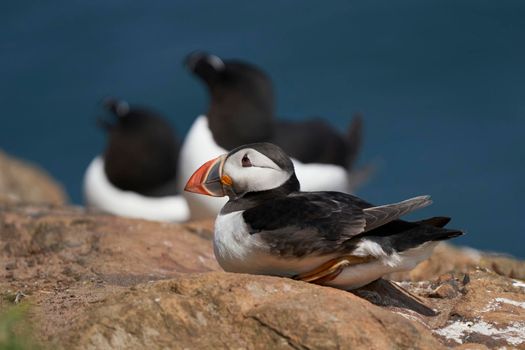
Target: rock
x,y
69,245
485,310
98,281
471,346
444,291
222,310
21,182
490,311
503,265
449,258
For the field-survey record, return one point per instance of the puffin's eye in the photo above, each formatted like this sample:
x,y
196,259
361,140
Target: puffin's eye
x,y
246,161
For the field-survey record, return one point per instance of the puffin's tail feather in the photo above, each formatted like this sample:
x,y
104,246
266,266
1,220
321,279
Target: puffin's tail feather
x,y
436,221
418,236
446,233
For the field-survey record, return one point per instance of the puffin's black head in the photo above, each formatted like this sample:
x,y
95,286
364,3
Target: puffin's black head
x,y
242,102
256,167
142,149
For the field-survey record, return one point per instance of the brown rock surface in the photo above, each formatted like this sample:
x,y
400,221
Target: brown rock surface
x,y
449,258
21,182
490,310
98,281
220,310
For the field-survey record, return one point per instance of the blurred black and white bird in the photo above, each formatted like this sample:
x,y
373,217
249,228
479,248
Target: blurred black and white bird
x,y
269,226
136,175
242,110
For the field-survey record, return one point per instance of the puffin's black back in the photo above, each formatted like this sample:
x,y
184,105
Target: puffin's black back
x,y
142,152
242,111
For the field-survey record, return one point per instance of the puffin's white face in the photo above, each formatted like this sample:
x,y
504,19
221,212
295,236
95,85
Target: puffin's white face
x,y
252,171
245,169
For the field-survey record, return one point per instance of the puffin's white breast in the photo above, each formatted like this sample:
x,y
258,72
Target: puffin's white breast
x,y
101,194
199,147
239,251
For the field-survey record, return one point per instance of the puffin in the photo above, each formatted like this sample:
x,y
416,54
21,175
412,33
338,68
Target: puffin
x,y
269,226
242,111
136,174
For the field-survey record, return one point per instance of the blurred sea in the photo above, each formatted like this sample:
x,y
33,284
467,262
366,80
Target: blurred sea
x,y
441,85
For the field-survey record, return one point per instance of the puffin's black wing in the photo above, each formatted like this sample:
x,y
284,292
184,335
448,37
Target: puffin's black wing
x,y
319,222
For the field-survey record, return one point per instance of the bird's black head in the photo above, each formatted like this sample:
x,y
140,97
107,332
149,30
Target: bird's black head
x,y
230,75
242,107
142,149
272,152
247,170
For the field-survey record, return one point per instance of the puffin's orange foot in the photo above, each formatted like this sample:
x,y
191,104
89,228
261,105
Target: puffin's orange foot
x,y
331,269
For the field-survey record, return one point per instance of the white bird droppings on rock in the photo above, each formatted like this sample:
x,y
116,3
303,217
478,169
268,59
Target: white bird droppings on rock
x,y
495,304
513,334
517,283
167,243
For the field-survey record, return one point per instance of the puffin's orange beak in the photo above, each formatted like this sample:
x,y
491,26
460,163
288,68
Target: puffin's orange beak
x,y
208,179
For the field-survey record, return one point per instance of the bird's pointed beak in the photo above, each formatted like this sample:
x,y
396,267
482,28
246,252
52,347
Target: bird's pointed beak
x,y
209,179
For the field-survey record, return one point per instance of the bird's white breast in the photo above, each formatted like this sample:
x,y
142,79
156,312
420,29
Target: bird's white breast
x,y
101,194
234,247
321,177
198,148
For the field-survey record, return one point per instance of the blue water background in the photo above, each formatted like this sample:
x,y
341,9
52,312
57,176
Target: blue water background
x,y
441,85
